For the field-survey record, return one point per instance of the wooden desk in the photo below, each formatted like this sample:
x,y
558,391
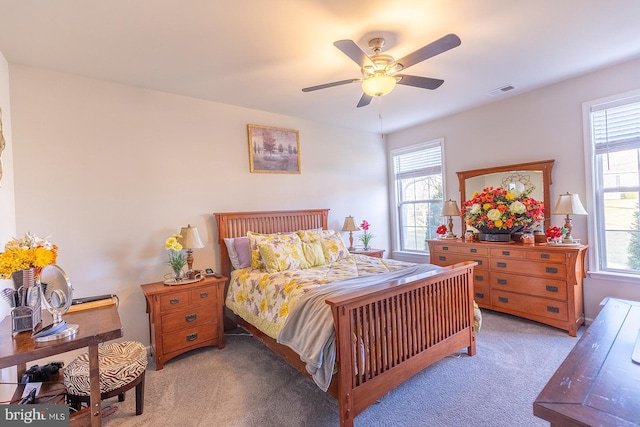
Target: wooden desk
x,y
96,326
597,384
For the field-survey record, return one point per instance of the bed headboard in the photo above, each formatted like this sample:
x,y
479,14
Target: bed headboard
x,y
236,224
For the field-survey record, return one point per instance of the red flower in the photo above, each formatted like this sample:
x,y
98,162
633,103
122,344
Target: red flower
x,y
364,225
442,229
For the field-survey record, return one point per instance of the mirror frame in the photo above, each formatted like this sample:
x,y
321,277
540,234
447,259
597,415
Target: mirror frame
x,y
66,289
544,166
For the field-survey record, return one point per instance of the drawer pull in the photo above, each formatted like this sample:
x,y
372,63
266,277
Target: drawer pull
x,y
553,270
442,258
174,301
506,253
473,250
204,294
545,256
479,261
553,309
501,265
503,299
502,281
478,278
190,317
445,248
552,288
479,295
192,337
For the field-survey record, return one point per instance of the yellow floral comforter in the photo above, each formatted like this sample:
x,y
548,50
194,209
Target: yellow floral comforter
x,y
265,299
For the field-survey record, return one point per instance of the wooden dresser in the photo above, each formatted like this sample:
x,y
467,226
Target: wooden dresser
x,y
538,282
184,317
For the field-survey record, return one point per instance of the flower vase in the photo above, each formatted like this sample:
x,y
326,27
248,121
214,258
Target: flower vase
x,y
178,275
366,248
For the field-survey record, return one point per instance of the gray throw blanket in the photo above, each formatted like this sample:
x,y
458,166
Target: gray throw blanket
x,y
309,328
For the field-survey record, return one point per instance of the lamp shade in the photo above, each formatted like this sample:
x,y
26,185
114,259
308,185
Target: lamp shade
x,y
190,238
349,224
450,208
569,204
378,85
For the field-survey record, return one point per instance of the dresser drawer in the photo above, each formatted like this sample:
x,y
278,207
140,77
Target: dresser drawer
x,y
445,247
508,252
538,286
480,278
449,259
528,267
482,295
547,256
174,301
189,337
473,250
536,306
188,317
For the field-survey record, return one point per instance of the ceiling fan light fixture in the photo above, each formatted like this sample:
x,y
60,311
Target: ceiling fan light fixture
x,y
378,84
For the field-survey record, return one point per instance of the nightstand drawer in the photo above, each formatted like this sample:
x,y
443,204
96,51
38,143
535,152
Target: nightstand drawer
x,y
204,296
174,301
188,317
189,337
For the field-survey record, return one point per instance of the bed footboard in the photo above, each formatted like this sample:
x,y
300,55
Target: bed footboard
x,y
386,335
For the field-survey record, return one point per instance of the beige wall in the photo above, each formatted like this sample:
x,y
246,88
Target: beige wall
x,y
538,125
7,202
110,171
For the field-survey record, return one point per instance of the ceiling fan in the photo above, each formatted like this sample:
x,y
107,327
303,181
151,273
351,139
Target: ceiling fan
x,y
380,72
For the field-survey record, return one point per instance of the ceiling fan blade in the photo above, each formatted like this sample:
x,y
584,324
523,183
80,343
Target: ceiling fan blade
x,y
432,49
364,100
326,85
357,55
422,82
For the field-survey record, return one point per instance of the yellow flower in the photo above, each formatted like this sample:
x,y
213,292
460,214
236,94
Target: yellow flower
x,y
510,196
498,223
284,310
172,243
486,206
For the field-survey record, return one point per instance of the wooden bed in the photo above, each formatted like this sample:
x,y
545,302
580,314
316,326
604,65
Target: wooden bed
x,y
406,325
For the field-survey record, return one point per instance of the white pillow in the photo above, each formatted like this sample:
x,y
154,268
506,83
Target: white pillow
x,y
233,255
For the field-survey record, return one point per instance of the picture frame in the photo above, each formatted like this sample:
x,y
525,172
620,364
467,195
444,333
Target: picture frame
x,y
273,149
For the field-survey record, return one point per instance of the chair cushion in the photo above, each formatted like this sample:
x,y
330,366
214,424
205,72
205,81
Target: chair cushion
x,y
120,363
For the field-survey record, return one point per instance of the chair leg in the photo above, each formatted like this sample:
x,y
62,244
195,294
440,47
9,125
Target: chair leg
x,y
140,396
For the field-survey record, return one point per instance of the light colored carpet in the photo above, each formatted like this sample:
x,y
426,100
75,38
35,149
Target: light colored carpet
x,y
246,385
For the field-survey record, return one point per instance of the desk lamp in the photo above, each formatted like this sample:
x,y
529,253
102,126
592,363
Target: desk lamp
x,y
450,209
569,204
350,226
190,240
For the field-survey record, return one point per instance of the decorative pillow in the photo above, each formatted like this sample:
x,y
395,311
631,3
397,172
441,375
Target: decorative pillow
x,y
280,256
313,235
256,239
233,255
313,254
333,248
241,245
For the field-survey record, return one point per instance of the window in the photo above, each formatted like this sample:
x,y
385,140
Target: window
x,y
418,194
614,162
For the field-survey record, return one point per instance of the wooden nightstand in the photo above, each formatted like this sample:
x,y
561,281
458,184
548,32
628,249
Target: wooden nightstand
x,y
184,317
376,253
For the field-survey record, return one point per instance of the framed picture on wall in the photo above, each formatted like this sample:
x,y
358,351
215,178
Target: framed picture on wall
x,y
273,150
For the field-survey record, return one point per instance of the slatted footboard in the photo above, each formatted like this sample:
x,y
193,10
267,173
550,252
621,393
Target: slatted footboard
x,y
400,328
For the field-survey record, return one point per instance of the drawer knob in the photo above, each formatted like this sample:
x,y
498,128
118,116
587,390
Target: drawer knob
x,y
503,299
192,337
479,295
174,301
190,317
442,258
479,261
544,256
473,250
204,294
502,281
478,278
552,288
552,270
553,309
445,248
501,265
506,253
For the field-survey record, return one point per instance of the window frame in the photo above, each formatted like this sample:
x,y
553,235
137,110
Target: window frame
x,y
395,206
594,184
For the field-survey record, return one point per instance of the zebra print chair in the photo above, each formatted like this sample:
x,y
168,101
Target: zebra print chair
x,y
122,367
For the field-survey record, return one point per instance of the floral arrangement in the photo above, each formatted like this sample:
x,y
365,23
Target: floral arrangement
x,y
28,252
366,235
556,232
177,258
496,210
442,230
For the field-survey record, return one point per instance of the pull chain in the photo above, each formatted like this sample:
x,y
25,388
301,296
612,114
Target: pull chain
x,y
380,116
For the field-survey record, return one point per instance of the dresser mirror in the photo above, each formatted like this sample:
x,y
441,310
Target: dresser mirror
x,y
518,177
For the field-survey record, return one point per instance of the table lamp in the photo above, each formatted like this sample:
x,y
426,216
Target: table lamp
x,y
350,226
450,209
190,240
569,204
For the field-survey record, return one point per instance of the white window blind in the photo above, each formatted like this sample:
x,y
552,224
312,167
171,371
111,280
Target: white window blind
x,y
427,161
616,128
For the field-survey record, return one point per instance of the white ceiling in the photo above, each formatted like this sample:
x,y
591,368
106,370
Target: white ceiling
x,y
260,53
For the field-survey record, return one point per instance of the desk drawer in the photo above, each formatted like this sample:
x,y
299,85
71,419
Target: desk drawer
x,y
543,307
189,337
187,318
538,286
